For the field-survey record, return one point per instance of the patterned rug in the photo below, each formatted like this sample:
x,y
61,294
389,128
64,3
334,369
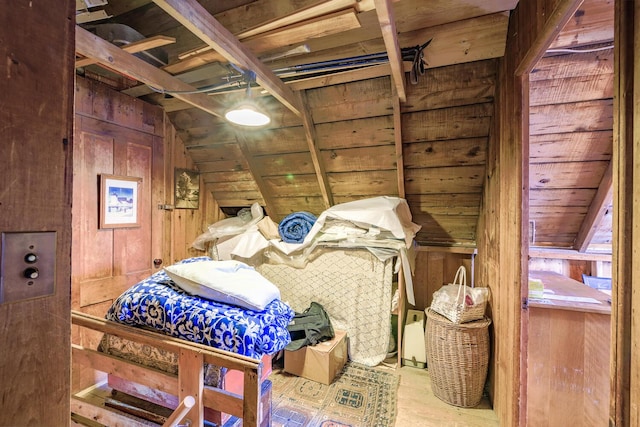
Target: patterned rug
x,y
359,396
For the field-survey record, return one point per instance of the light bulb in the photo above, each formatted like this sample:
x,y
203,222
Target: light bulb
x,y
247,115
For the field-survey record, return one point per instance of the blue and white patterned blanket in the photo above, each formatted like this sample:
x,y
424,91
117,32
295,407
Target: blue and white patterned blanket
x,y
160,304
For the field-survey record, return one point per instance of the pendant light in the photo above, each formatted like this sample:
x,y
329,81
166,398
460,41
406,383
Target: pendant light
x,y
246,112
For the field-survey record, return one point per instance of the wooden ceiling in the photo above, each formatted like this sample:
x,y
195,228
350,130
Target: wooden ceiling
x,y
370,127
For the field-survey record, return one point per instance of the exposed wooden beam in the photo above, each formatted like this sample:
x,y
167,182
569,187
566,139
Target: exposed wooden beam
x,y
384,8
568,254
347,76
318,165
397,135
254,169
139,46
111,56
200,22
558,18
597,210
335,23
171,105
321,8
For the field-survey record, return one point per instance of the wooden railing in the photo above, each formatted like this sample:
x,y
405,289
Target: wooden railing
x,y
188,382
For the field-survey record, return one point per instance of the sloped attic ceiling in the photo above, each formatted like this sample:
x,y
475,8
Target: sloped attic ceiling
x,y
338,132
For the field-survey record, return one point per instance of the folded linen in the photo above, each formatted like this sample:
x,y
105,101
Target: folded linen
x,y
295,227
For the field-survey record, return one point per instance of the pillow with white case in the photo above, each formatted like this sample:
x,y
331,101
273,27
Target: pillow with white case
x,y
231,282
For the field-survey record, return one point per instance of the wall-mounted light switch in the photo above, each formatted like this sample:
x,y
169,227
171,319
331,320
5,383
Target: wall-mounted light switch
x,y
27,265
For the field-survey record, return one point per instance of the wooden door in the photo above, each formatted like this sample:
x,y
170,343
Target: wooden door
x,y
106,261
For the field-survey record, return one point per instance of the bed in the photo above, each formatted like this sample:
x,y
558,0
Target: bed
x,y
163,344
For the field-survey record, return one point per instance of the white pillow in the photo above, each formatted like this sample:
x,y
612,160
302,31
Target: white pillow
x,y
230,282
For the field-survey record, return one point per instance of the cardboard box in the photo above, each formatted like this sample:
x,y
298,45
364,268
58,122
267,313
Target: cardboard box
x,y
320,362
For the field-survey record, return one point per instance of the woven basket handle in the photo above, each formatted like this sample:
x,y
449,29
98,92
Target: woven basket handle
x,y
461,276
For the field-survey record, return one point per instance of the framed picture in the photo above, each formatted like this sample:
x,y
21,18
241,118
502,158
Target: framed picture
x,y
187,189
119,201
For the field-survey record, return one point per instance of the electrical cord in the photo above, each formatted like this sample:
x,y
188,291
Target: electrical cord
x,y
568,50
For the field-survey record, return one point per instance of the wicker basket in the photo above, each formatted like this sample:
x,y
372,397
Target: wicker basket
x,y
457,358
458,302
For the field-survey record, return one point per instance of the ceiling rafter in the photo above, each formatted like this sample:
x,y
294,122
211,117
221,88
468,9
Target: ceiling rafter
x,y
138,46
397,135
384,9
254,168
318,165
597,210
114,58
196,19
295,33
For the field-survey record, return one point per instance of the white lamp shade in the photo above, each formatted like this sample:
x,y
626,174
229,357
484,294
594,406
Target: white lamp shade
x,y
247,115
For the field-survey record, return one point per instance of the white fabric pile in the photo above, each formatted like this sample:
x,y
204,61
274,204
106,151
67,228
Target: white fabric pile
x,y
380,224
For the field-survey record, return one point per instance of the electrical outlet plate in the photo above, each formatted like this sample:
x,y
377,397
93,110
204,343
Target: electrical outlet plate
x,y
16,253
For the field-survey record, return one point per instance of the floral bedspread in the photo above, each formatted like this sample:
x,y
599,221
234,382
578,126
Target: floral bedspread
x,y
158,303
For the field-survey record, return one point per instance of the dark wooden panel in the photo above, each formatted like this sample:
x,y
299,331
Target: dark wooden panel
x,y
452,86
233,199
445,204
185,120
236,165
573,146
215,153
214,177
433,270
285,164
232,186
369,131
353,184
573,65
275,141
284,206
561,196
571,89
461,179
37,175
567,175
367,98
456,152
382,157
557,224
575,117
446,229
592,23
291,186
448,123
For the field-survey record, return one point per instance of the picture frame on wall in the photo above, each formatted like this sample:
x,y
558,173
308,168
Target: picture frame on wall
x,y
187,189
119,201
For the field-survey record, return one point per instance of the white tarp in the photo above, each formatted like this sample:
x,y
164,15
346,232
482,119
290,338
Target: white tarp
x,y
381,224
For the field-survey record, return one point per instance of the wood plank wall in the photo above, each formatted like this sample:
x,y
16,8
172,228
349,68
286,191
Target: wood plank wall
x,y
117,134
502,236
36,151
434,269
179,227
185,225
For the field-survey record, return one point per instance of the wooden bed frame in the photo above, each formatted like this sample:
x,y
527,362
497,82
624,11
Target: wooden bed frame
x,y
253,405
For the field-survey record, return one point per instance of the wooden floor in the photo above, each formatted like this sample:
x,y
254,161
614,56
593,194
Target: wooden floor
x,y
418,407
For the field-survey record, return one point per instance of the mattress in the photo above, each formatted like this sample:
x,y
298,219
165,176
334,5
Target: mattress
x,y
159,304
355,289
148,355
